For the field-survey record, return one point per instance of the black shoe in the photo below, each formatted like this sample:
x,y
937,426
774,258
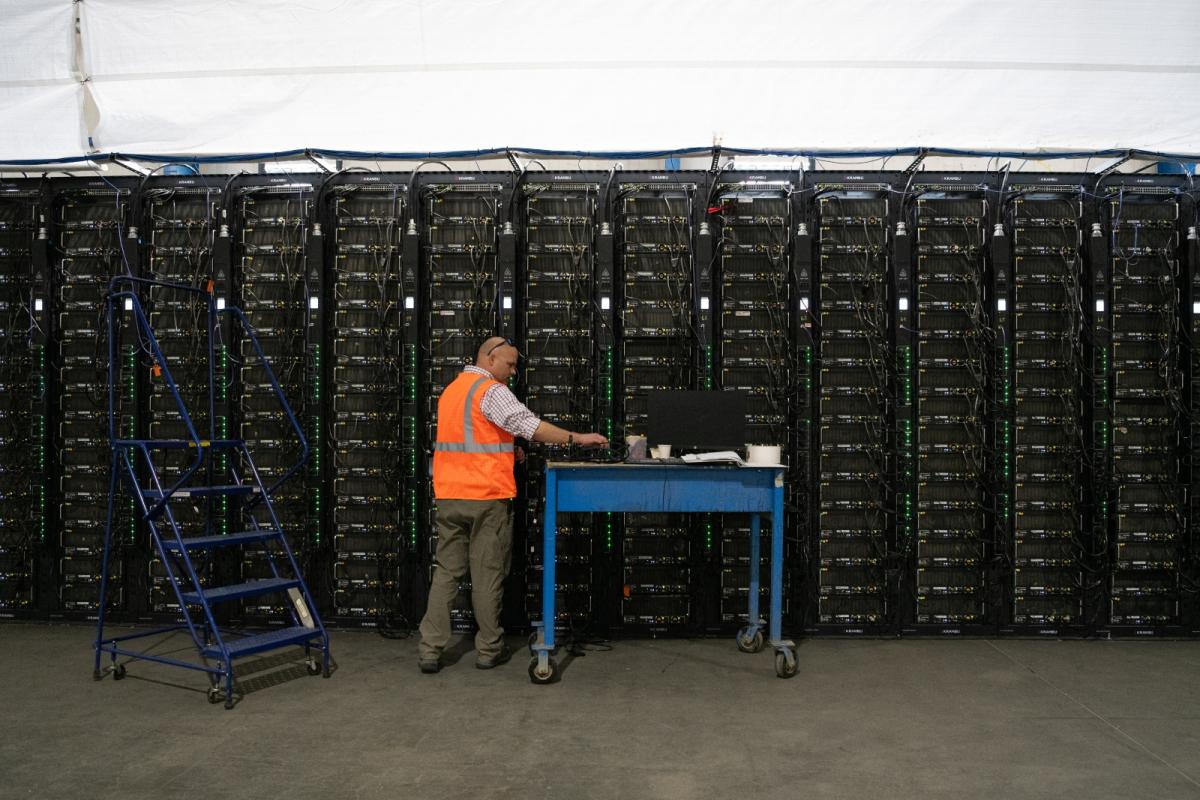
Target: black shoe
x,y
500,658
430,666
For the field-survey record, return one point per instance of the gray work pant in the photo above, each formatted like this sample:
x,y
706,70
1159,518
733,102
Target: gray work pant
x,y
474,535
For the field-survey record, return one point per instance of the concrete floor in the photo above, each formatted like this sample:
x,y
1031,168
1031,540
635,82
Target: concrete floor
x,y
646,719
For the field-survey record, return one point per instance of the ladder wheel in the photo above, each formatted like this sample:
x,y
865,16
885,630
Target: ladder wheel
x,y
313,666
215,695
118,671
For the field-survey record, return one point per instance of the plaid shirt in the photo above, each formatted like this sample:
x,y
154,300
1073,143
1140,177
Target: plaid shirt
x,y
504,410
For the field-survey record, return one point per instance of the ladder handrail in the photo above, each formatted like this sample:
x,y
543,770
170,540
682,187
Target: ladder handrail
x,y
144,330
283,401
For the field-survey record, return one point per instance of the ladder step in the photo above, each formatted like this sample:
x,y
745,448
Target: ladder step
x,y
225,540
223,593
179,444
202,491
257,643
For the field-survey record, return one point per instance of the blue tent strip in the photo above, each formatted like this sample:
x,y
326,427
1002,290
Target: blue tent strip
x,y
280,155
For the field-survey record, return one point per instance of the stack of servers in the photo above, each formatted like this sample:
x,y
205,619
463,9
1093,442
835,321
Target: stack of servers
x,y
852,455
951,407
22,420
461,247
1046,438
369,450
91,224
178,233
1146,410
658,332
755,352
560,363
275,296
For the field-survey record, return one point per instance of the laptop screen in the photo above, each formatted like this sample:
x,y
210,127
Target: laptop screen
x,y
697,420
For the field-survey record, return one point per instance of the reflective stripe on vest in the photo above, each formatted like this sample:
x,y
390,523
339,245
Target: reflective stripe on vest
x,y
468,444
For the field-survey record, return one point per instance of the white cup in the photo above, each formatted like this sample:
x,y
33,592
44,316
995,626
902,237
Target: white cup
x,y
660,451
763,454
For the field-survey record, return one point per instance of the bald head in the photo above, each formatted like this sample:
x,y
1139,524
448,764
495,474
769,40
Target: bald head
x,y
488,346
498,357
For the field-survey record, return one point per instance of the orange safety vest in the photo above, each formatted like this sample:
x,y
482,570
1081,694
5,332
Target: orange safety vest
x,y
472,457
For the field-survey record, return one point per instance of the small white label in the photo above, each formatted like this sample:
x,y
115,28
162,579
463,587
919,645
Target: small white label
x,y
804,304
902,304
37,304
605,304
507,302
410,303
1002,304
1195,307
704,304
129,304
1100,306
220,303
314,303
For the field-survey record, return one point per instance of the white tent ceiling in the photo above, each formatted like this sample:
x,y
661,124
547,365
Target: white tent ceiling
x,y
221,76
39,95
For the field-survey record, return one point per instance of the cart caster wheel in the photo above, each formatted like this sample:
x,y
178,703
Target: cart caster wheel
x,y
118,671
314,667
215,695
533,639
750,644
541,675
786,663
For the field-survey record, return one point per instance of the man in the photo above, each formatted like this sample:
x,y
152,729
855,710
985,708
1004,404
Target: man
x,y
478,418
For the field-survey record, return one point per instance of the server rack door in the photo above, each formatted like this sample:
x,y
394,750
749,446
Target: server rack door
x,y
272,218
853,404
23,456
89,227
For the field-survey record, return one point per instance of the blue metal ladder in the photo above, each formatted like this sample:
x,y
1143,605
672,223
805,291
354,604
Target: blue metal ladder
x,y
238,479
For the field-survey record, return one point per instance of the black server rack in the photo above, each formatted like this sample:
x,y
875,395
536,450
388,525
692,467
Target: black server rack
x,y
751,219
1040,430
1191,303
90,234
656,216
982,425
461,221
852,214
179,223
372,425
949,369
1145,509
278,280
23,398
557,338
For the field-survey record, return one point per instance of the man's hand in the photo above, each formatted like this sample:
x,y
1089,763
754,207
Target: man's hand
x,y
591,440
519,453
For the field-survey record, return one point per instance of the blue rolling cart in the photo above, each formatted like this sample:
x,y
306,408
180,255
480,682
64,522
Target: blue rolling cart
x,y
591,487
